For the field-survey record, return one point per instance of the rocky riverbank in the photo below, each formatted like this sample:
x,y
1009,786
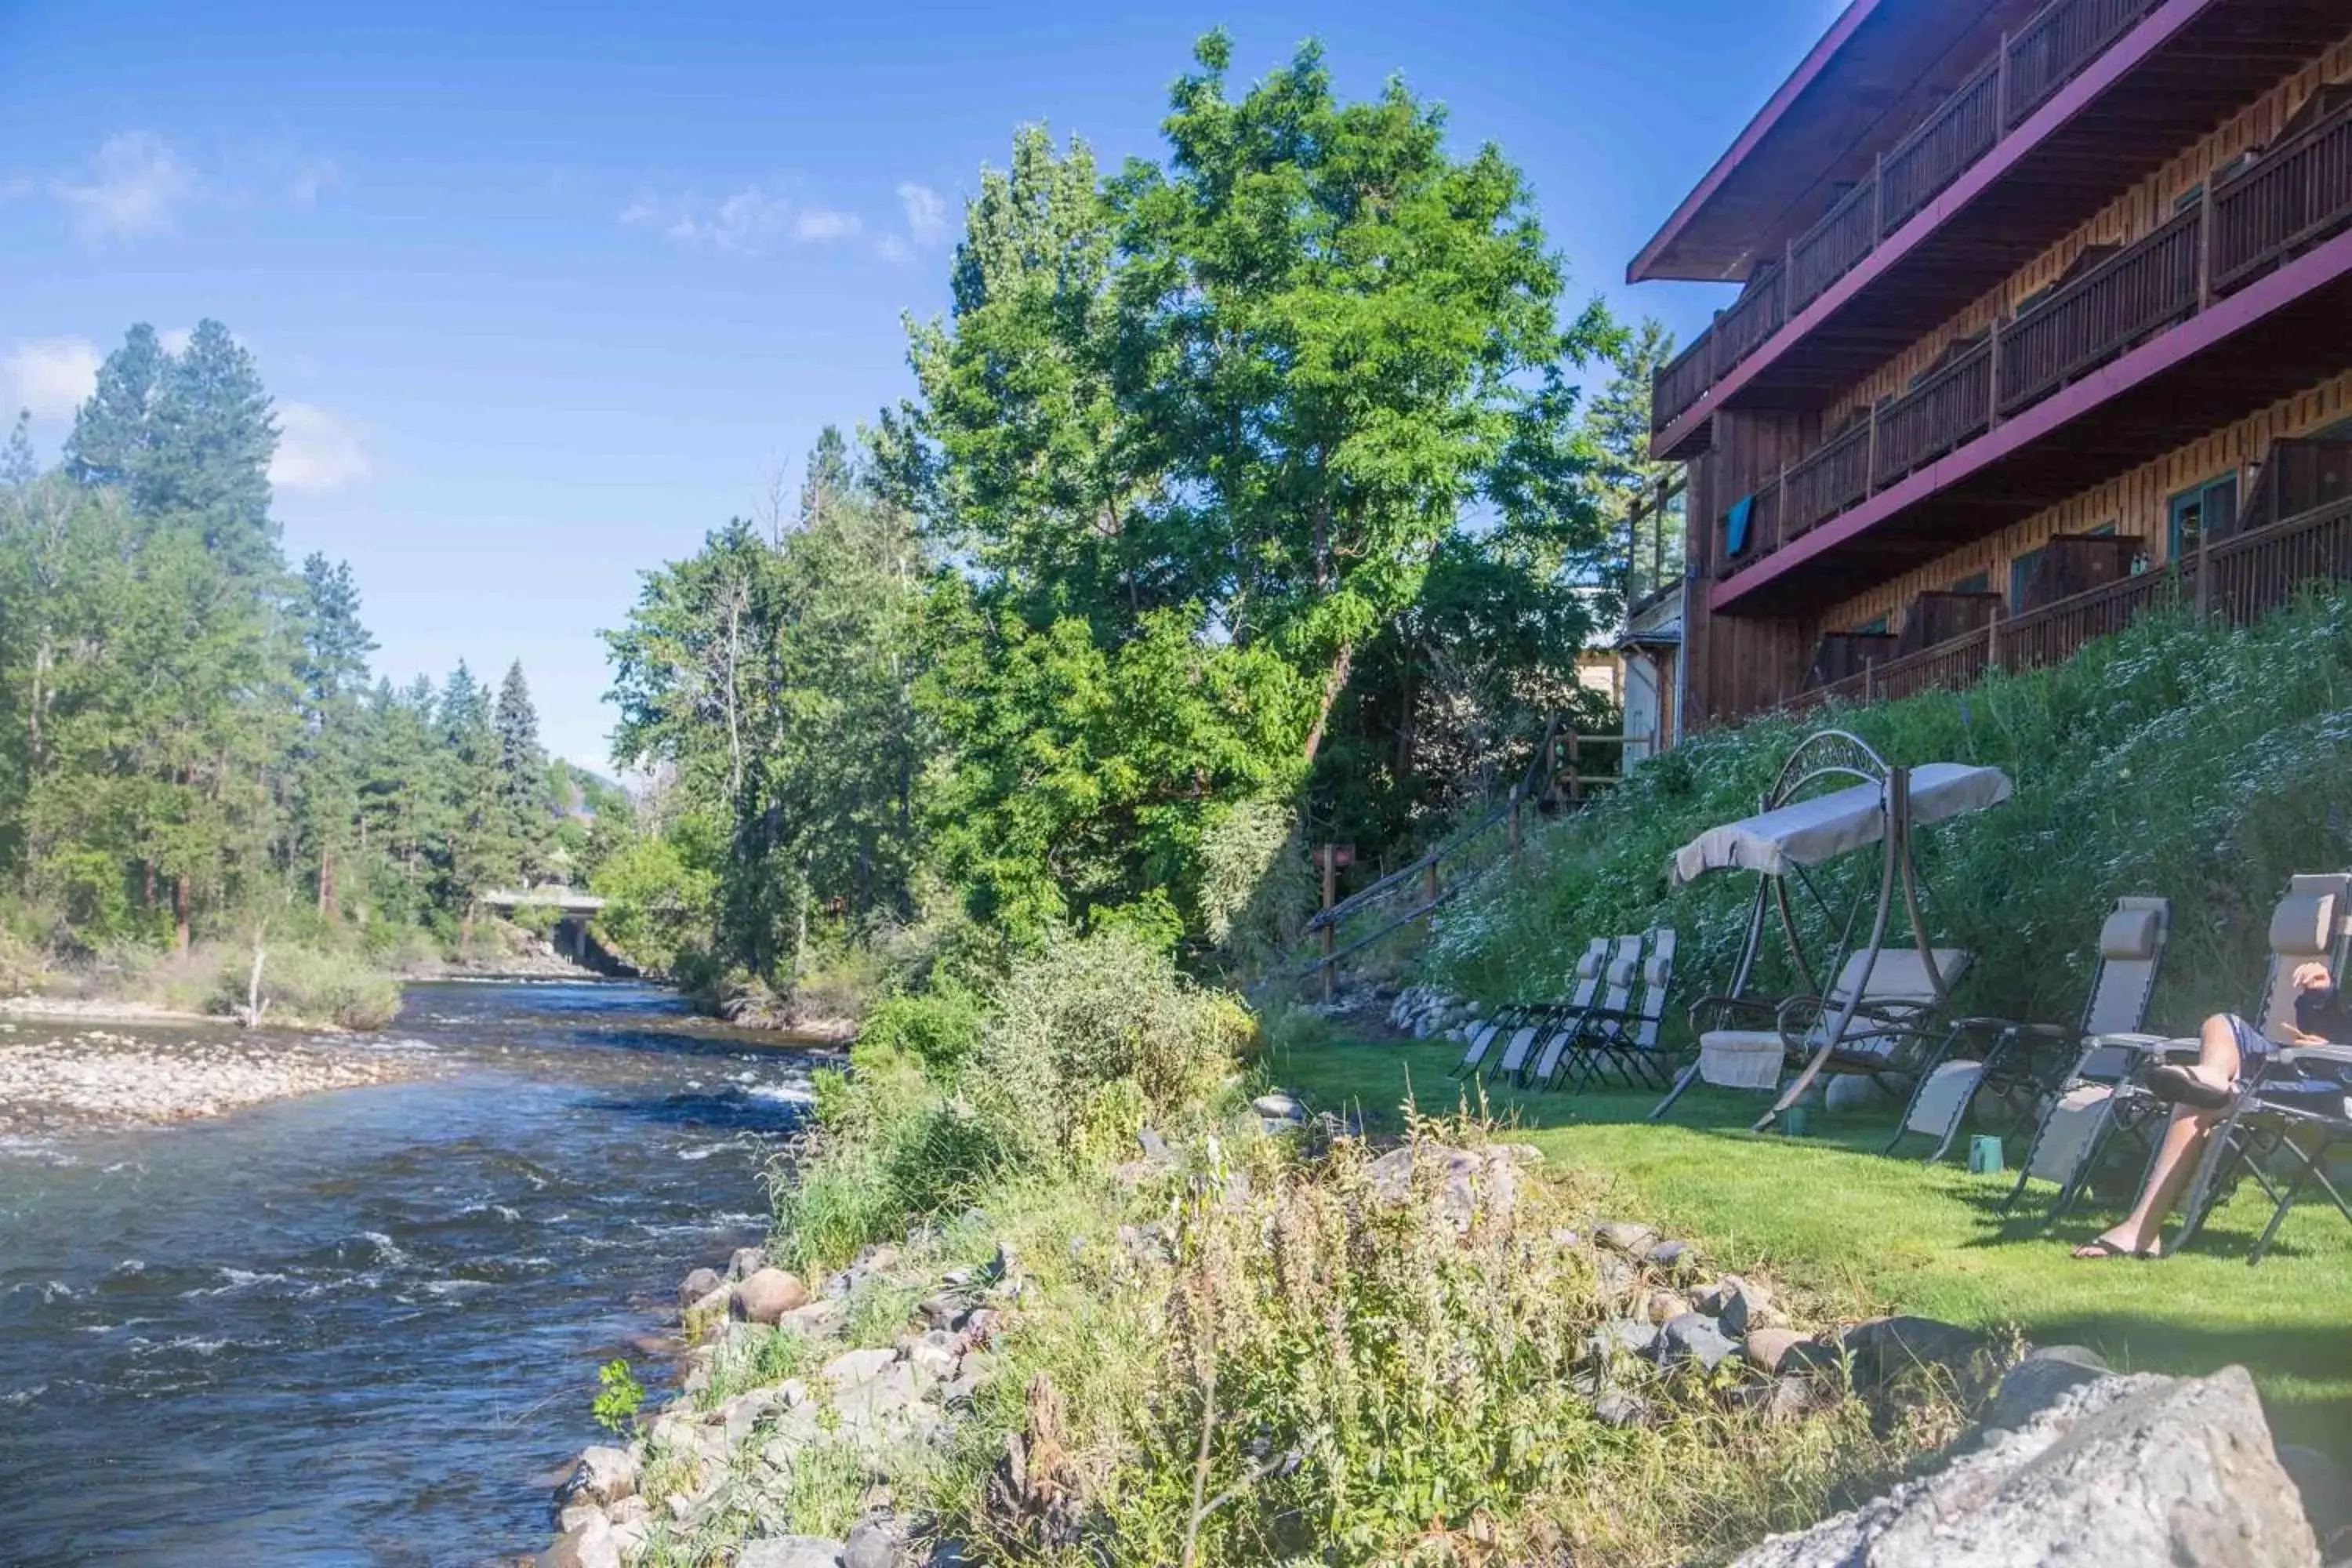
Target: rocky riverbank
x,y
54,1082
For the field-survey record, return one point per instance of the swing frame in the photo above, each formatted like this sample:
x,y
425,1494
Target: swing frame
x,y
1845,761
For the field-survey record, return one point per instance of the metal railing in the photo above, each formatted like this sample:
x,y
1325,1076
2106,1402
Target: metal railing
x,y
2025,72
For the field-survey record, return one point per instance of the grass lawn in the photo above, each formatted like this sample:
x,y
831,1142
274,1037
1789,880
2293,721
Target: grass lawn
x,y
1894,1235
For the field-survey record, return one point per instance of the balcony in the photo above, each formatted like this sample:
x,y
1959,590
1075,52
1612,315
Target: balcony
x,y
2071,109
2239,578
2238,300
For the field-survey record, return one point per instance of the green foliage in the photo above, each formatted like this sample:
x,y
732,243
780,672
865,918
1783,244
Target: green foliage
x,y
1210,432
1378,1384
661,893
940,1029
2195,762
314,986
757,1357
619,1394
1089,1039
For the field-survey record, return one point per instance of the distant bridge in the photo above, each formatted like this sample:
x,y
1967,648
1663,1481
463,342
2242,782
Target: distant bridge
x,y
574,910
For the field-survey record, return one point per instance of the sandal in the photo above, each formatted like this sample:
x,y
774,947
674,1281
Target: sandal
x,y
2101,1248
2180,1086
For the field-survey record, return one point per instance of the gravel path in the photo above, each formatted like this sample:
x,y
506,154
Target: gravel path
x,y
52,1082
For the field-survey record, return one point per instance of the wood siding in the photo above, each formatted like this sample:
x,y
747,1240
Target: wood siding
x,y
2136,503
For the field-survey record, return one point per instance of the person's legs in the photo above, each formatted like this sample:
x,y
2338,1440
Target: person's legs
x,y
2176,1156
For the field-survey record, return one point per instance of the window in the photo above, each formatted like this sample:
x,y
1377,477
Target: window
x,y
1976,582
2200,513
2104,530
1872,629
2190,198
2020,576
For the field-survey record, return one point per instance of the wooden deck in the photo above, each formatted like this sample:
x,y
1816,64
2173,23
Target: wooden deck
x,y
2242,577
2197,265
2073,107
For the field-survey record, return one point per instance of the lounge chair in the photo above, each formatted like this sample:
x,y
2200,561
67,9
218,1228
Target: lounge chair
x,y
1895,1023
2285,1120
1508,1022
2102,1102
1626,1041
2018,1057
1560,1020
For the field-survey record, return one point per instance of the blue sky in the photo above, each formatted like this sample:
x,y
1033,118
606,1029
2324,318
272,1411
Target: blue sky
x,y
544,292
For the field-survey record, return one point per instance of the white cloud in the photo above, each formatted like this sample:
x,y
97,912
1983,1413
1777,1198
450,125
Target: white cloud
x,y
175,339
748,222
49,377
926,212
317,452
894,250
134,185
818,226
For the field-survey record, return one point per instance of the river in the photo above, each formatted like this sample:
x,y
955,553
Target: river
x,y
363,1327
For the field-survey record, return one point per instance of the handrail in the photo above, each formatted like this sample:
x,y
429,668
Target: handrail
x,y
2293,193
2240,578
2164,278
2027,70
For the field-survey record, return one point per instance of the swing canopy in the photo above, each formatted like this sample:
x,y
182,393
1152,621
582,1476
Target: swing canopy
x,y
1809,832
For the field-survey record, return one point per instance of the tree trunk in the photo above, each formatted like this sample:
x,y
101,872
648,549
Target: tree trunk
x,y
147,884
326,883
1332,687
183,912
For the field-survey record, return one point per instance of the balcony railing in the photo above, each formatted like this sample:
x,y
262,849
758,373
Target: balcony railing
x,y
2024,73
2299,194
1655,537
2240,578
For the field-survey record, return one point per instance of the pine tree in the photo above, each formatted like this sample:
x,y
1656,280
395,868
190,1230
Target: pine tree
x,y
329,672
114,432
213,442
522,777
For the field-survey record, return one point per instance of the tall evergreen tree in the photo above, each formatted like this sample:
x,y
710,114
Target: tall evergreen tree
x,y
329,675
522,777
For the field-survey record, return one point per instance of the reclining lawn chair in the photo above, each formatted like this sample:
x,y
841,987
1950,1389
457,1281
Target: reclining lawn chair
x,y
2287,1118
1626,1041
2026,1058
1554,1021
2103,1103
1507,1023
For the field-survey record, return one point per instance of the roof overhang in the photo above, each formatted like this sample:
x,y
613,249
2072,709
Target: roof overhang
x,y
1877,70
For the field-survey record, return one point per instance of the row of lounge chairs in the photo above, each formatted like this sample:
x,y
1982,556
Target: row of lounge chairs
x,y
1607,1029
2079,1085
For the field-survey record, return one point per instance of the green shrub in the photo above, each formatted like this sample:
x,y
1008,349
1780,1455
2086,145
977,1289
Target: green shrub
x,y
1091,1036
305,985
938,1029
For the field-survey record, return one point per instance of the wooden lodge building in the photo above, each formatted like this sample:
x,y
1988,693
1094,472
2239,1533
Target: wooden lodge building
x,y
2045,317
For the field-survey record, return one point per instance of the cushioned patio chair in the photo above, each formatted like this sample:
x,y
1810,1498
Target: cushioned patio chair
x,y
2287,1116
2103,1103
1508,1022
1625,1042
2019,1060
1895,1023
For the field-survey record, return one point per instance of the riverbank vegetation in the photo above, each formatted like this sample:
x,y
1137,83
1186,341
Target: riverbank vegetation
x,y
192,755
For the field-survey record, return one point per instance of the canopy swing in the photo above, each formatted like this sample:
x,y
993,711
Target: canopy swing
x,y
1834,797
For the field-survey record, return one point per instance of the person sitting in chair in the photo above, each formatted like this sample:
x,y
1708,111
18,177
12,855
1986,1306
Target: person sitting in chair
x,y
2229,1050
